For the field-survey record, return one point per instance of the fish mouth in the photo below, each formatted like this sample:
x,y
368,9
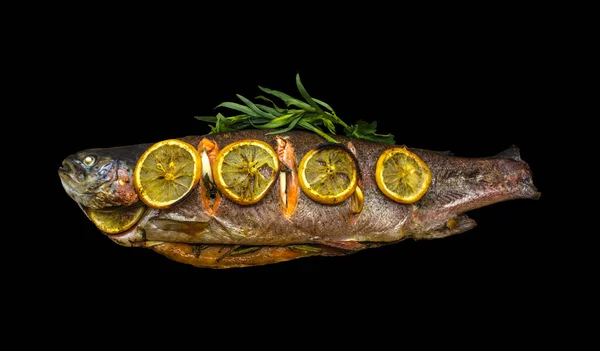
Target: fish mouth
x,y
68,183
67,172
66,166
94,193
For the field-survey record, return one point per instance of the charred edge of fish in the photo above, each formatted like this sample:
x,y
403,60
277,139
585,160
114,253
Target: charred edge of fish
x,y
211,196
212,258
288,176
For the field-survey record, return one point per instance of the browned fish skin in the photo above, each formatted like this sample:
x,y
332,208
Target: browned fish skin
x,y
217,256
458,185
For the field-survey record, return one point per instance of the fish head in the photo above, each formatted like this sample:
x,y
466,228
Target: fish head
x,y
101,178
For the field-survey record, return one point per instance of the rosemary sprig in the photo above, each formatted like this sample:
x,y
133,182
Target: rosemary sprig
x,y
311,114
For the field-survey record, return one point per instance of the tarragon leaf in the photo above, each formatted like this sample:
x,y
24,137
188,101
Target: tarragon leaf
x,y
244,109
329,126
309,116
277,108
317,130
288,100
305,95
254,108
307,248
209,119
244,250
288,128
323,104
278,122
257,122
222,125
270,110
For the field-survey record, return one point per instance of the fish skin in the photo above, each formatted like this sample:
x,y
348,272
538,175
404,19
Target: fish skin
x,y
216,256
263,224
458,185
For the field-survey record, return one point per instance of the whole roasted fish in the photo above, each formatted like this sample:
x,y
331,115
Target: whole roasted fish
x,y
227,234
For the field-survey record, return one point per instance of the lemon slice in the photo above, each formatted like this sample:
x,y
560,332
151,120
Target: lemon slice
x,y
245,170
402,176
116,221
328,175
166,173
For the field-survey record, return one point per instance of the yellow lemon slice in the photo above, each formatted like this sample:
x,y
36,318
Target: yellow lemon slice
x,y
116,221
402,176
166,173
245,170
328,175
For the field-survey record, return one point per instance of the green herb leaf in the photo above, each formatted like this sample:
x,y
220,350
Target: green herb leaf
x,y
244,250
278,122
366,130
270,110
254,108
257,122
306,248
323,104
366,127
288,128
317,130
329,126
288,100
277,108
305,95
308,115
243,109
209,119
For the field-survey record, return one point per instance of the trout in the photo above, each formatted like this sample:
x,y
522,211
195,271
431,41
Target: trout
x,y
219,233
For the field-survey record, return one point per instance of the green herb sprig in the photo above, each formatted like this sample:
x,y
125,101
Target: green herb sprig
x,y
308,114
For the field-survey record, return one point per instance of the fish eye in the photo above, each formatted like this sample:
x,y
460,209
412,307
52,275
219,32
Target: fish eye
x,y
89,160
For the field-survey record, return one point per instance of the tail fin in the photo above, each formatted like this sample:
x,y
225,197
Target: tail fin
x,y
527,189
512,153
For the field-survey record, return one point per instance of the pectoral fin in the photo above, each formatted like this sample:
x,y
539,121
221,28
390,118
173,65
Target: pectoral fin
x,y
180,226
169,230
456,225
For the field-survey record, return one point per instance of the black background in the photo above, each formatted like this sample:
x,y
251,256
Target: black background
x,y
471,79
473,94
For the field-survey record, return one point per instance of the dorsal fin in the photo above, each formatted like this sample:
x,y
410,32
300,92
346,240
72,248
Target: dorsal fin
x,y
511,153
